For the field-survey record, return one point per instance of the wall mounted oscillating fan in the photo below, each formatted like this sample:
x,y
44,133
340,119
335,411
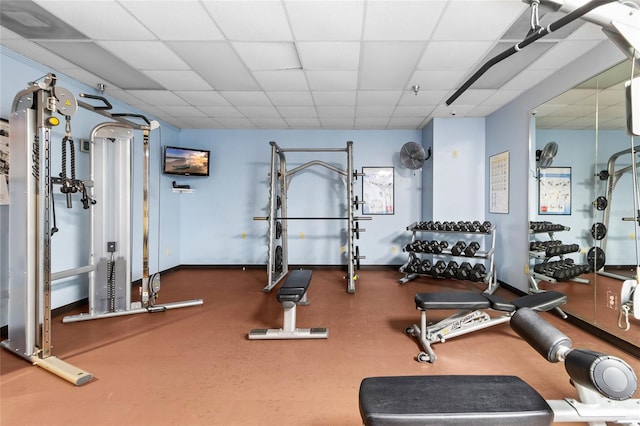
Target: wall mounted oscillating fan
x,y
544,156
412,155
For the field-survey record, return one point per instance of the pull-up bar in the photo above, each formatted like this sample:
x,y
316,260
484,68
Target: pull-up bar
x,y
312,218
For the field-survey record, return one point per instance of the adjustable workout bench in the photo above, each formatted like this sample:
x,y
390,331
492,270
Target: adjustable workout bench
x,y
470,317
292,293
604,385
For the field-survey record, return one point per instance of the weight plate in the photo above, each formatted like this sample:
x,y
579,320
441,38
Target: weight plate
x,y
155,283
278,230
278,258
601,203
356,230
596,258
598,231
357,258
603,175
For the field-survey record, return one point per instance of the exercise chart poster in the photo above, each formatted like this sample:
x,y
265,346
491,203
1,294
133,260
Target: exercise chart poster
x,y
554,190
377,190
499,183
4,162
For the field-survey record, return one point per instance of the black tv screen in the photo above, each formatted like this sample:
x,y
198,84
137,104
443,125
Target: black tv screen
x,y
185,161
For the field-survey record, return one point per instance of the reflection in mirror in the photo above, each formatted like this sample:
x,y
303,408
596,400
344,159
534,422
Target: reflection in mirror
x,y
583,208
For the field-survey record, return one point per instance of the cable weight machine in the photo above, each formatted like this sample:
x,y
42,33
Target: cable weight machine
x,y
280,178
32,209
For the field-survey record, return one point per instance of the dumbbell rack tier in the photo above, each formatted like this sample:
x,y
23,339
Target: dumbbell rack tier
x,y
545,252
485,256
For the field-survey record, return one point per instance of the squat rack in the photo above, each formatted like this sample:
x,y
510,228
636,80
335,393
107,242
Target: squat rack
x,y
280,178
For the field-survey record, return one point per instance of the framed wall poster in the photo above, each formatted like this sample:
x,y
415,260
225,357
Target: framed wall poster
x,y
554,191
4,162
499,183
378,190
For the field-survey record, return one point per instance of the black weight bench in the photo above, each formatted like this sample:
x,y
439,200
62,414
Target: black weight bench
x,y
472,314
291,294
604,385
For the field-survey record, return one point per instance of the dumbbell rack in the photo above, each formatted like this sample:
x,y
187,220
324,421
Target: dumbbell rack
x,y
545,251
488,237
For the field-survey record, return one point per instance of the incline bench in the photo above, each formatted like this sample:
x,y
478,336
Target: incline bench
x,y
292,293
471,316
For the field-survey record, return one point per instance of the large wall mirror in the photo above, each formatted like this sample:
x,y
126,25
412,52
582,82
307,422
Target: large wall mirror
x,y
581,203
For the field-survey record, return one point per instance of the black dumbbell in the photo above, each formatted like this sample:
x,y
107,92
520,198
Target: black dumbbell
x,y
450,270
478,272
463,271
437,246
438,269
458,248
471,249
485,227
425,267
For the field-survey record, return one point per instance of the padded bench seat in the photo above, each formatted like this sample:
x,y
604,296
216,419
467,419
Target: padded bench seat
x,y
451,400
295,286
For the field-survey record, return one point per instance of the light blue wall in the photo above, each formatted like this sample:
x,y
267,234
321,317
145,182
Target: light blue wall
x,y
458,151
70,246
217,225
508,130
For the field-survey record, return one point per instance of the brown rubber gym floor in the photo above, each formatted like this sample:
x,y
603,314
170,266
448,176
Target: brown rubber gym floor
x,y
195,365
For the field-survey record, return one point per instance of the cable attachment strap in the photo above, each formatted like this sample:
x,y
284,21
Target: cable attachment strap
x,y
623,317
535,18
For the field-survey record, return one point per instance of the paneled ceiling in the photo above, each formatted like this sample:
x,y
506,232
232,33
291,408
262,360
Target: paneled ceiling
x,y
294,64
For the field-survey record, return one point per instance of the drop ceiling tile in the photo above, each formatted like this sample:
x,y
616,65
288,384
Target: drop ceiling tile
x,y
378,97
325,20
406,122
220,111
588,31
423,98
571,97
157,97
444,111
182,111
89,18
329,55
477,20
188,20
250,20
437,79
246,98
263,55
7,34
259,111
294,80
374,111
335,111
564,53
526,79
303,123
370,123
502,97
179,80
444,55
200,123
269,123
401,20
412,111
100,62
335,98
298,111
235,123
217,63
38,53
145,55
332,80
475,96
388,65
202,97
336,123
293,98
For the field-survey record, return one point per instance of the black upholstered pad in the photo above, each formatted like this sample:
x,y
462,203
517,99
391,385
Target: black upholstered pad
x,y
295,286
540,301
451,400
451,300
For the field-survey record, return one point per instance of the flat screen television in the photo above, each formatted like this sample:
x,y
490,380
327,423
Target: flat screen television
x,y
185,161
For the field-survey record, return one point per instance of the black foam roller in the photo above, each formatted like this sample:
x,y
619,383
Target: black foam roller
x,y
610,376
542,336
